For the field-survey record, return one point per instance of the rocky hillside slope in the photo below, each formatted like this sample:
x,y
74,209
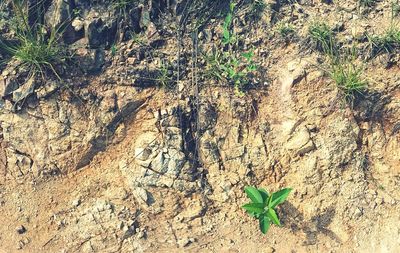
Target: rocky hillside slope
x,y
134,126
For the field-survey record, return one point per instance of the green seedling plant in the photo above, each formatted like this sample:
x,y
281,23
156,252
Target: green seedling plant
x,y
228,65
114,50
165,76
228,37
263,204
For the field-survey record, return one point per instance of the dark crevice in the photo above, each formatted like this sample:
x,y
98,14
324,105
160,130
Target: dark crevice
x,y
100,143
188,124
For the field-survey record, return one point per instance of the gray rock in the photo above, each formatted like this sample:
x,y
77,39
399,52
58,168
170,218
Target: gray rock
x,y
58,13
23,92
59,16
47,89
100,30
300,142
43,142
10,78
143,196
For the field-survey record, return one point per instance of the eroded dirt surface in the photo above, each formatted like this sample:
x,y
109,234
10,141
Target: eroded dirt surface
x,y
116,165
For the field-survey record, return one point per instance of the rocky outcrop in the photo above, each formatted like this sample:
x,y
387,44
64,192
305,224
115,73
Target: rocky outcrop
x,y
58,136
161,157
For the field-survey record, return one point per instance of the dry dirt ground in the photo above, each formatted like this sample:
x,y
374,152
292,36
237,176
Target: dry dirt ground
x,y
150,170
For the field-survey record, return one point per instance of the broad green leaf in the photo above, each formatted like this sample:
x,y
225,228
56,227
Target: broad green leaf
x,y
253,214
226,36
272,215
235,62
264,195
253,194
232,7
254,207
241,74
231,73
264,223
279,197
252,67
228,21
248,55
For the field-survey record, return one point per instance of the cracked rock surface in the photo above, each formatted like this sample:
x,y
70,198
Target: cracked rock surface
x,y
110,160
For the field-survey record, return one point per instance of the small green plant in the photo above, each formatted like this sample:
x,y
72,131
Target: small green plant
x,y
347,74
285,30
165,76
228,37
322,35
114,50
138,38
367,3
395,6
228,65
387,42
262,206
35,47
234,69
348,77
77,12
257,9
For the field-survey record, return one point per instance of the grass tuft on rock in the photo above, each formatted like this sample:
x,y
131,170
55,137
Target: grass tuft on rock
x,y
33,46
348,74
367,3
387,42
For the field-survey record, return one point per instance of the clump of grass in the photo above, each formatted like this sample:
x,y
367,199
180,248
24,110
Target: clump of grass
x,y
165,76
395,6
348,75
34,47
343,67
257,9
323,36
367,3
36,52
285,30
387,42
123,5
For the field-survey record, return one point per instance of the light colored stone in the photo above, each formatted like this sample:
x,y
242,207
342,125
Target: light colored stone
x,y
77,24
300,142
141,195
